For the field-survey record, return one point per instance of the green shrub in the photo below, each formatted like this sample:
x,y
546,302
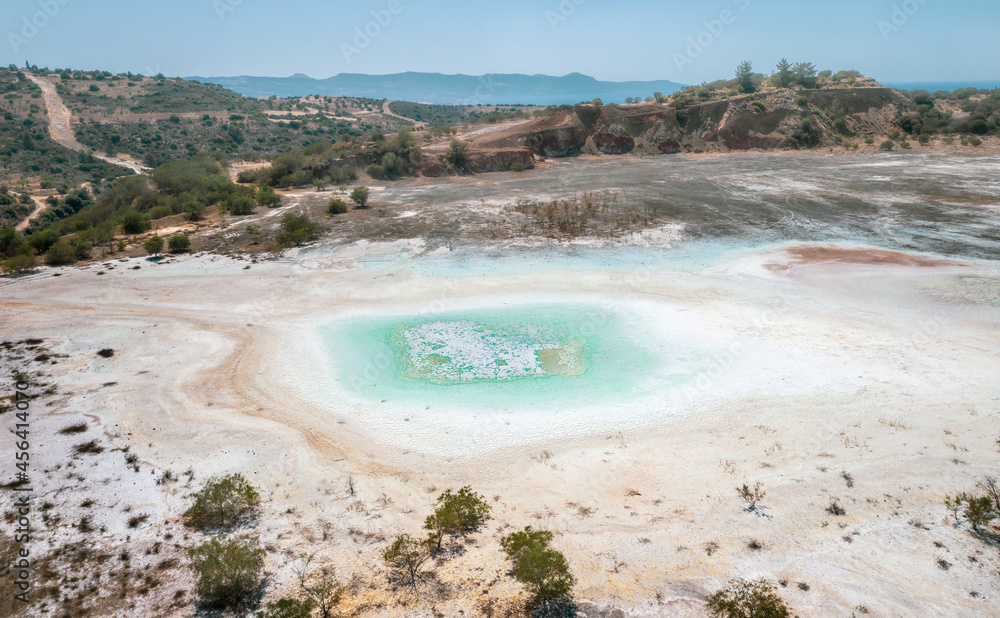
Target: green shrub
x,y
905,145
801,101
248,177
228,572
60,254
19,264
41,241
134,222
979,511
517,166
746,599
193,211
457,513
160,212
336,206
154,245
975,142
759,107
870,140
297,230
541,569
458,153
179,243
82,248
288,608
376,171
241,206
888,145
11,241
267,197
360,196
222,502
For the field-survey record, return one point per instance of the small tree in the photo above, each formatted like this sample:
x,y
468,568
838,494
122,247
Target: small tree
x,y
154,245
405,556
322,588
228,571
954,505
541,569
336,206
222,502
179,243
783,74
458,153
747,599
360,196
744,76
457,513
751,495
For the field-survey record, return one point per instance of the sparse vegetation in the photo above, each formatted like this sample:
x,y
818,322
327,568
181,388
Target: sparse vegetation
x,y
751,495
406,556
748,599
322,588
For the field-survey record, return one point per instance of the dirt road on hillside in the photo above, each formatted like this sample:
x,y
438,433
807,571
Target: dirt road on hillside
x,y
61,127
388,112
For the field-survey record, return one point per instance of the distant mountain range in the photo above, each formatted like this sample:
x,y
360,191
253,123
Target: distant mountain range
x,y
448,89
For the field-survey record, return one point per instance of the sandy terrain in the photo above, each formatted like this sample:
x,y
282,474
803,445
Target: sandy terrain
x,y
825,362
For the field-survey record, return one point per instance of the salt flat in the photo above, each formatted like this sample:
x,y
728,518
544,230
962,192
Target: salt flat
x,y
786,362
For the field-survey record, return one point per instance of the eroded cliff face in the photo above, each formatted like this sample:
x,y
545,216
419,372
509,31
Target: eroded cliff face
x,y
766,120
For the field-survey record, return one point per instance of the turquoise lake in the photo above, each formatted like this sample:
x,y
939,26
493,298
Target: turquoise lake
x,y
517,357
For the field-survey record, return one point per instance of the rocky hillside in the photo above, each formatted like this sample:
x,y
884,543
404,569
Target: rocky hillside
x,y
775,119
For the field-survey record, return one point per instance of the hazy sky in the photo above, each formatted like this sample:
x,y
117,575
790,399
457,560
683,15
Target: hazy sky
x,y
687,41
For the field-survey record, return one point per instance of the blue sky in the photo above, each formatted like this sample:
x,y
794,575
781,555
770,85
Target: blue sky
x,y
689,42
